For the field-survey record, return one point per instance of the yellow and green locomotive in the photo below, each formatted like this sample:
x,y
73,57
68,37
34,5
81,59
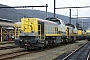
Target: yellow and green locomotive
x,y
88,34
81,34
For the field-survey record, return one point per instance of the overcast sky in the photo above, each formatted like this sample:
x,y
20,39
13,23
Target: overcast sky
x,y
59,3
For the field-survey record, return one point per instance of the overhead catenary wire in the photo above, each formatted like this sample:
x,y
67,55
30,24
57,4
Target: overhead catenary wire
x,y
19,3
39,1
80,1
13,2
72,7
67,3
13,12
87,3
25,6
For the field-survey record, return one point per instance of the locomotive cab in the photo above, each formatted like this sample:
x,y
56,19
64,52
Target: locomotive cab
x,y
61,25
72,32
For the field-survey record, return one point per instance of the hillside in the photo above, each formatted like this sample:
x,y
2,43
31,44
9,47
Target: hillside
x,y
17,14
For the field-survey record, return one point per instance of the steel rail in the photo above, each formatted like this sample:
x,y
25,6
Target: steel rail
x,y
74,52
12,55
7,42
7,47
88,56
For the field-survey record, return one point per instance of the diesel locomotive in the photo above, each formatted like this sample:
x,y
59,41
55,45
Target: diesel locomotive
x,y
35,32
88,33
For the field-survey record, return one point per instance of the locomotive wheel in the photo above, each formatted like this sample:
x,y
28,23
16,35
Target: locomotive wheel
x,y
28,48
88,39
61,40
67,40
40,48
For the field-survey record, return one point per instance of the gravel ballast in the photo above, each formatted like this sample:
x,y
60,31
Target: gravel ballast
x,y
54,53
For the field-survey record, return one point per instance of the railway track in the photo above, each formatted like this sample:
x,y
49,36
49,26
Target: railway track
x,y
88,58
12,55
7,47
82,53
8,42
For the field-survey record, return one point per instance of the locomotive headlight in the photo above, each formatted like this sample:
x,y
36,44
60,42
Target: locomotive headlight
x,y
20,40
32,31
30,25
87,34
26,41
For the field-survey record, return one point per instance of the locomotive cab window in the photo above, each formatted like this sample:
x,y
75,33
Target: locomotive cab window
x,y
57,21
63,23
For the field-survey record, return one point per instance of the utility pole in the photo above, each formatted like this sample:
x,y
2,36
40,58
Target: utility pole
x,y
77,15
70,16
77,19
54,8
82,24
46,11
18,18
